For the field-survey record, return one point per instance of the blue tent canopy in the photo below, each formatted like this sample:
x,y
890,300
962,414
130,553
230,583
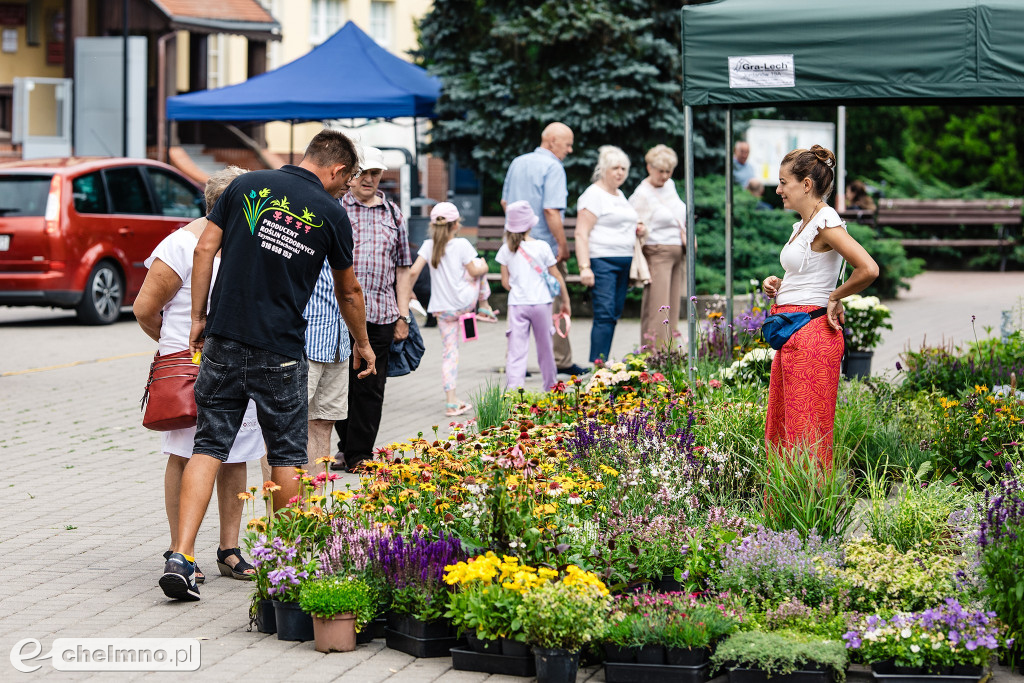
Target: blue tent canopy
x,y
347,76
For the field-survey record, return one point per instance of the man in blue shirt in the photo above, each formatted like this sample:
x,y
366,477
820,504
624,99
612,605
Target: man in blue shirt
x,y
742,170
328,349
539,178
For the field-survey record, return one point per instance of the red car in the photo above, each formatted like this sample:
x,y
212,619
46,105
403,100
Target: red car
x,y
74,233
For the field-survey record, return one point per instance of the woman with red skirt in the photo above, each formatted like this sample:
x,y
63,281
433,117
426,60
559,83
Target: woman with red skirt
x,y
805,371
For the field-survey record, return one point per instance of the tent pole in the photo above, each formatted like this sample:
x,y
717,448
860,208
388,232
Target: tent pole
x,y
691,260
841,158
416,149
728,227
291,141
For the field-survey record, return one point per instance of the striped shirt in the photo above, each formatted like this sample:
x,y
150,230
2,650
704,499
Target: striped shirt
x,y
380,241
326,333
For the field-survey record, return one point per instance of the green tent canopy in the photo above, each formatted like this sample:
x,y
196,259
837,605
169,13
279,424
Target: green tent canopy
x,y
748,53
870,49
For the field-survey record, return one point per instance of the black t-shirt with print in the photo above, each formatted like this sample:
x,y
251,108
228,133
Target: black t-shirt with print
x,y
279,226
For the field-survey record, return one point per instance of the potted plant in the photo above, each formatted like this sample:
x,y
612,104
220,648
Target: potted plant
x,y
866,316
558,618
287,567
340,608
945,640
782,656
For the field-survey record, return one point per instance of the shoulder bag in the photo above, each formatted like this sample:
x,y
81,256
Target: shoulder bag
x,y
169,401
554,287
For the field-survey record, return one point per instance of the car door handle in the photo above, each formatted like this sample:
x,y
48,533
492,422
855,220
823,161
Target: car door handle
x,y
126,231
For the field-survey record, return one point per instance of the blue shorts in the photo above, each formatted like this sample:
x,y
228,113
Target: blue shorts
x,y
229,375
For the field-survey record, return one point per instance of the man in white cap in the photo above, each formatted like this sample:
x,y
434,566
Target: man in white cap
x,y
381,260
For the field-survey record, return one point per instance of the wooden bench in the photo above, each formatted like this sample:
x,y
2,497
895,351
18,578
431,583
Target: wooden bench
x,y
490,235
1001,214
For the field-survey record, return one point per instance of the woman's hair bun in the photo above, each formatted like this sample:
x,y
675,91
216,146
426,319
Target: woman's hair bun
x,y
824,155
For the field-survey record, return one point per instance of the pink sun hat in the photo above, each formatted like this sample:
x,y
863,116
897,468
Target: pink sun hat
x,y
445,210
519,216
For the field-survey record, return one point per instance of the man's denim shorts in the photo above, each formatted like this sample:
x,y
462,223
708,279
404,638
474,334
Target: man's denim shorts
x,y
229,375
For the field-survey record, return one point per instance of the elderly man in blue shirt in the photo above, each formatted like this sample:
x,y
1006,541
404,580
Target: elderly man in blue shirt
x,y
538,177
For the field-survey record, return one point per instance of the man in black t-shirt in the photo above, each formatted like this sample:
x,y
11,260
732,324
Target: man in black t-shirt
x,y
274,229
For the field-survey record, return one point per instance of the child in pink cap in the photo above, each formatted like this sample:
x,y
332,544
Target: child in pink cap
x,y
524,262
457,286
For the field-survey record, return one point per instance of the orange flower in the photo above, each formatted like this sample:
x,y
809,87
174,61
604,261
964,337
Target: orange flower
x,y
269,487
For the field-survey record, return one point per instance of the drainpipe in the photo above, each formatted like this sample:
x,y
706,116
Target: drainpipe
x,y
162,141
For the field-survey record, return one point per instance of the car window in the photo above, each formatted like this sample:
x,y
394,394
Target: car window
x,y
23,195
174,196
88,194
127,191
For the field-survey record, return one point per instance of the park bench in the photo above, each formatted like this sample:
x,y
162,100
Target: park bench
x,y
1001,215
490,234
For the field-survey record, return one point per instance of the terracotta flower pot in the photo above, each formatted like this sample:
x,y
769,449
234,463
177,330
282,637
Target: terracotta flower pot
x,y
337,634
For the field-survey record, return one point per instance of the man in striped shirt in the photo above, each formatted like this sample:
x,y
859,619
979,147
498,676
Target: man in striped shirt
x,y
328,348
380,256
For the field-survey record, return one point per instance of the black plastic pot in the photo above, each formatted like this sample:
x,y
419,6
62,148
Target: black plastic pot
x,y
668,584
373,630
421,647
692,656
654,673
483,645
292,622
555,665
464,659
759,676
651,654
439,628
266,620
513,648
619,654
926,678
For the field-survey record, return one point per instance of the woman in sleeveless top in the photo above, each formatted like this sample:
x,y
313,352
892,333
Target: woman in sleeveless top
x,y
805,371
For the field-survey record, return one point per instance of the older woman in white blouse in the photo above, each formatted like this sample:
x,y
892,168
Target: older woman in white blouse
x,y
606,229
660,209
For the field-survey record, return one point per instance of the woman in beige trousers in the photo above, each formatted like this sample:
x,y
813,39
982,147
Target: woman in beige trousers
x,y
664,213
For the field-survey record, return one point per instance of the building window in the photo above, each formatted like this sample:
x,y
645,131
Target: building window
x,y
326,17
273,46
216,61
381,20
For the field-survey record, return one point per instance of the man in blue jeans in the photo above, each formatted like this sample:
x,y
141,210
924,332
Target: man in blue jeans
x,y
274,229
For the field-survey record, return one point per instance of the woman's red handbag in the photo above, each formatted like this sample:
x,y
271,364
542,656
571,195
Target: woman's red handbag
x,y
169,401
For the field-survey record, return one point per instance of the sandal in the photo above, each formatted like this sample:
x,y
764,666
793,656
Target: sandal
x,y
487,315
453,409
200,576
239,570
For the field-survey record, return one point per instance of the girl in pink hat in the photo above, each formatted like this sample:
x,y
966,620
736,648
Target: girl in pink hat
x,y
457,286
524,264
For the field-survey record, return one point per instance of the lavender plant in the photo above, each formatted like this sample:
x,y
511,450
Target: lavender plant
x,y
1001,547
414,569
771,566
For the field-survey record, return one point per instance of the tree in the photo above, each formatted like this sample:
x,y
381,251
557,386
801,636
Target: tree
x,y
608,68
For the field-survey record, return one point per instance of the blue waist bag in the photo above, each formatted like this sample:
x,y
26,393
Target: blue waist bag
x,y
777,329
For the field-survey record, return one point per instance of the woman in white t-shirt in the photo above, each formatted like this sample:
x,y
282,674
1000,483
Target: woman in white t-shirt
x,y
664,215
523,261
805,371
457,287
606,230
164,311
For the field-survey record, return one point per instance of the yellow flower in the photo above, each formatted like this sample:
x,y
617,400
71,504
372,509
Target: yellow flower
x,y
545,509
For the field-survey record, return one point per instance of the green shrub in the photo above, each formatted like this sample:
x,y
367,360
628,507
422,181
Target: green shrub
x,y
917,511
333,595
879,577
780,653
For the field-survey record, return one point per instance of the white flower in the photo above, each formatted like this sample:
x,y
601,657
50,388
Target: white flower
x,y
915,648
906,633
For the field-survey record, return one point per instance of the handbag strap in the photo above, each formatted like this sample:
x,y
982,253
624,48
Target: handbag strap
x,y
529,260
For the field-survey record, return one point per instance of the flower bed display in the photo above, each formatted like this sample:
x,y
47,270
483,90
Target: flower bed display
x,y
640,519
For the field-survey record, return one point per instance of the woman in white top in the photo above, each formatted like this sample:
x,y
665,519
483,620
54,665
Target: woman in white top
x,y
805,371
664,214
164,311
606,228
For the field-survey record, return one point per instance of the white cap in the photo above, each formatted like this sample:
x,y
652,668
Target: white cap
x,y
372,159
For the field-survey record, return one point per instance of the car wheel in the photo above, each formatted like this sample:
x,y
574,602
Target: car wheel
x,y
103,296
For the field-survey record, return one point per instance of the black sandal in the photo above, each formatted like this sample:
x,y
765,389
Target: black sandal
x,y
238,571
200,576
